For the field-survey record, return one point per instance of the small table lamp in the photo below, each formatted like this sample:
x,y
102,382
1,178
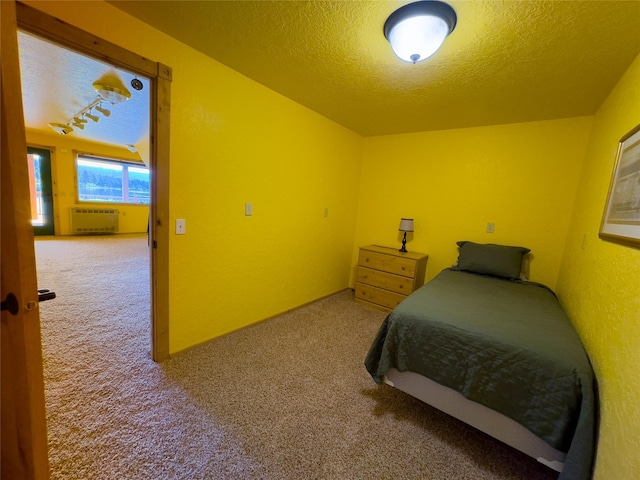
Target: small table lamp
x,y
406,225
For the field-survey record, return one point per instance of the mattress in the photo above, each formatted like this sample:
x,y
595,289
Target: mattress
x,y
507,345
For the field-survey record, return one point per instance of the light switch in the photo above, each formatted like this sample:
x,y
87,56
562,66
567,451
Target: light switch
x,y
248,209
181,226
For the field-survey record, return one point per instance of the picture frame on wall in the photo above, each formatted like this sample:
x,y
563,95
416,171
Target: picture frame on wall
x,y
621,217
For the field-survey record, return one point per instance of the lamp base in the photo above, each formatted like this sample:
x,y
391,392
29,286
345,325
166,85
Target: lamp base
x,y
404,243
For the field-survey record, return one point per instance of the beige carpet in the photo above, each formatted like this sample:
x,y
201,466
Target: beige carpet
x,y
285,399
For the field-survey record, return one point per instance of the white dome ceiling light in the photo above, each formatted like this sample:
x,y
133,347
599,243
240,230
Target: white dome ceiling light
x,y
417,30
114,94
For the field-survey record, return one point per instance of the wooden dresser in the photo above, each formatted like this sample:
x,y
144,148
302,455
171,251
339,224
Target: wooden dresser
x,y
386,276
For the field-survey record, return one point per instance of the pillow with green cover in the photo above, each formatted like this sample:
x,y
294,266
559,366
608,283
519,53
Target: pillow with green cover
x,y
502,261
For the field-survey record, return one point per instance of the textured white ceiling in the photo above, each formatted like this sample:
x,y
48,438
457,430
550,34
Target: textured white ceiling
x,y
506,61
57,84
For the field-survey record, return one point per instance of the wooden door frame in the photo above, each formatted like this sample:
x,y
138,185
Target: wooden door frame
x,y
66,35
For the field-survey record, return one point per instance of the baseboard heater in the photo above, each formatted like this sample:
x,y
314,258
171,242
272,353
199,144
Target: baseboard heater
x,y
94,220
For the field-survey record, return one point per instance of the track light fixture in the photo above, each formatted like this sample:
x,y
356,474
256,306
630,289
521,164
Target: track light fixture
x,y
61,128
103,111
110,89
93,118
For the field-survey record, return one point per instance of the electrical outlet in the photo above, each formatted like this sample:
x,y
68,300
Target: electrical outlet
x,y
490,227
248,209
181,226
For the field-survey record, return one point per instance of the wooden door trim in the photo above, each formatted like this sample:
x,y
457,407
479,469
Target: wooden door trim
x,y
35,21
160,226
67,35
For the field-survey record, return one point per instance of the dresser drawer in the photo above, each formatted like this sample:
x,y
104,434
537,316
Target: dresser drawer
x,y
378,296
388,281
388,263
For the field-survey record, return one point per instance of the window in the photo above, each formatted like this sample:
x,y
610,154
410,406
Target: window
x,y
112,181
35,189
41,193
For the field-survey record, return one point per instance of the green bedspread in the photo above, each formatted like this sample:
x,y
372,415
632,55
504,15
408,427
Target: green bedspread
x,y
507,345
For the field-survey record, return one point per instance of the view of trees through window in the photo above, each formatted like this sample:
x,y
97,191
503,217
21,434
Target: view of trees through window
x,y
112,181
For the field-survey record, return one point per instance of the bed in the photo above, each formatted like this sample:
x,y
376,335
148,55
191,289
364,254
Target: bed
x,y
497,352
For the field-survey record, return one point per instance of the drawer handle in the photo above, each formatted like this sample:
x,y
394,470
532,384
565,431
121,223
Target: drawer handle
x,y
404,268
366,259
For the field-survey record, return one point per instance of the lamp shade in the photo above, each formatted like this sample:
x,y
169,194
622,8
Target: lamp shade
x,y
417,30
406,225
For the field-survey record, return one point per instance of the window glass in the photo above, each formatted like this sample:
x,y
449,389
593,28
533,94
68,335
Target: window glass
x,y
112,181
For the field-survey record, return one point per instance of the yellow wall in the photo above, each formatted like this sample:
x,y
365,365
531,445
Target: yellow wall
x,y
599,285
133,218
235,141
521,177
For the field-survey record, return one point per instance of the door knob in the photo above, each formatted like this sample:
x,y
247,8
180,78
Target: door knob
x,y
10,304
44,295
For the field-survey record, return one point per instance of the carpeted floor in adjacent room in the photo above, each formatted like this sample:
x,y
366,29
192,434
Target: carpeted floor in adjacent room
x,y
288,398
